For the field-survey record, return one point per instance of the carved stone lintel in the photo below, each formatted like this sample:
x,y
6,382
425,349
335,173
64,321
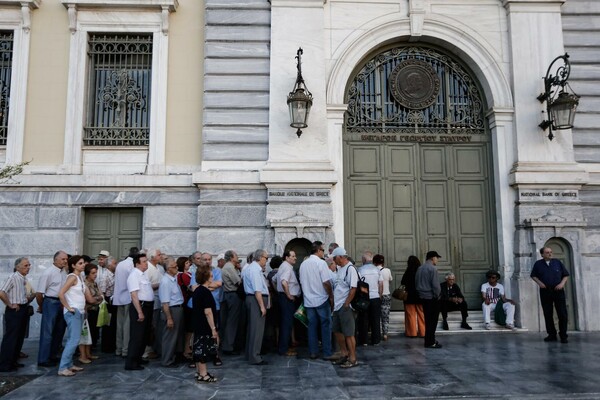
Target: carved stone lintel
x,y
298,226
550,219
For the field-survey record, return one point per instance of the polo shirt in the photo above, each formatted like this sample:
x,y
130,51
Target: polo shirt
x,y
551,274
138,281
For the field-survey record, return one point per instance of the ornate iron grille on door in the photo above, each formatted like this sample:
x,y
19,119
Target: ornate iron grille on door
x,y
120,74
6,57
414,90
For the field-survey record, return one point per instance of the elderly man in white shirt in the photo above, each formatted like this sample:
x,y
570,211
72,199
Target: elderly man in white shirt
x,y
122,299
140,312
288,290
154,273
318,300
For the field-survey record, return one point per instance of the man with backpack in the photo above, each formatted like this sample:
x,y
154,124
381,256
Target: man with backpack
x,y
371,317
343,314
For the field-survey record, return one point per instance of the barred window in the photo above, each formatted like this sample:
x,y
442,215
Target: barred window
x,y
119,85
6,58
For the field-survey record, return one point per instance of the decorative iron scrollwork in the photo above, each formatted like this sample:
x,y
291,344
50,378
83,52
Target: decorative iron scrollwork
x,y
410,89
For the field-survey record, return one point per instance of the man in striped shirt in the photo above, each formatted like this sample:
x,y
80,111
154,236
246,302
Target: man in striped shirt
x,y
14,294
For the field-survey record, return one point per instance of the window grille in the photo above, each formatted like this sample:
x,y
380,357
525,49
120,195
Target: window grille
x,y
119,85
6,56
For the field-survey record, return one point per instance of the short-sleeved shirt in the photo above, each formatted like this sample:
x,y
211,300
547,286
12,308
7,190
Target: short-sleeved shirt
x,y
347,278
231,277
169,291
51,281
286,273
372,277
15,288
254,280
550,273
121,294
138,280
493,293
386,278
313,273
109,283
201,300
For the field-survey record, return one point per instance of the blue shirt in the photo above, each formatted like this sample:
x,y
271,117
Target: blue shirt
x,y
550,275
254,280
169,291
217,293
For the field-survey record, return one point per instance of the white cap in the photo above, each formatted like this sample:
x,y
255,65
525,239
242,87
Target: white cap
x,y
104,253
339,251
221,257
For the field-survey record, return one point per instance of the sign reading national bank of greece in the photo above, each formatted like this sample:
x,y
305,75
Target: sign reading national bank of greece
x,y
548,195
298,195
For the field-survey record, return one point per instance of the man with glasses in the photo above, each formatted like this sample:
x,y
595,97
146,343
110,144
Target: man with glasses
x,y
318,300
492,292
255,286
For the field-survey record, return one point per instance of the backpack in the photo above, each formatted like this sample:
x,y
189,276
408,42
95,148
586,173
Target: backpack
x,y
360,302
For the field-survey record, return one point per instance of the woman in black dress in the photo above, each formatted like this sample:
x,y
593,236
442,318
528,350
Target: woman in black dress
x,y
206,337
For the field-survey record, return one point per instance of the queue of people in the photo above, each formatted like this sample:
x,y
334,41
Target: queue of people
x,y
186,310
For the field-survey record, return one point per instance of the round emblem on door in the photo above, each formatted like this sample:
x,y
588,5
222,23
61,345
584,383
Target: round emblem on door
x,y
414,84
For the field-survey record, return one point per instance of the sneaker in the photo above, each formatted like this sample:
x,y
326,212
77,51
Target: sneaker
x,y
436,345
488,326
445,325
464,325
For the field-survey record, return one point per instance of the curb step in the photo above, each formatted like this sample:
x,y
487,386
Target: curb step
x,y
475,320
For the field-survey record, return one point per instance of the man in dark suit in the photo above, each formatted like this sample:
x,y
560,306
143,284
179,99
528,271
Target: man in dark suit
x,y
452,299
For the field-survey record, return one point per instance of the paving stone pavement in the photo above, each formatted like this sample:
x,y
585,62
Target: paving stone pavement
x,y
470,365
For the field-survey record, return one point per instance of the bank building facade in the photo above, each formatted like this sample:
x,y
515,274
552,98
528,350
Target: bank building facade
x,y
165,123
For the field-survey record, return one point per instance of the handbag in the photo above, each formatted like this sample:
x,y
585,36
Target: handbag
x,y
86,337
103,315
301,315
400,293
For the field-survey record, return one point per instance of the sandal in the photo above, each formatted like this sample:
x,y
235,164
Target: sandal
x,y
84,361
340,361
208,378
66,372
349,364
217,361
75,368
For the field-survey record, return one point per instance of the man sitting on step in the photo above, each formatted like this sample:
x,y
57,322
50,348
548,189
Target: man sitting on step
x,y
492,292
452,299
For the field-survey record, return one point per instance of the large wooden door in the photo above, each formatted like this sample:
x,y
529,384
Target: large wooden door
x,y
112,229
417,164
406,199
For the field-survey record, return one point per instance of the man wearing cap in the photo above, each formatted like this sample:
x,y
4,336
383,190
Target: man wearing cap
x,y
221,261
343,315
492,292
52,328
102,270
428,289
318,299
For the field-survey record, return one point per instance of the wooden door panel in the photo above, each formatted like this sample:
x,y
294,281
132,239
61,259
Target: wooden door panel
x,y
365,161
112,229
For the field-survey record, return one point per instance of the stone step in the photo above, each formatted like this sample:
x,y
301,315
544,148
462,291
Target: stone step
x,y
475,320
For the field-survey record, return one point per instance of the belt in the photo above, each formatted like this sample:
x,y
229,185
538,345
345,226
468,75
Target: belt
x,y
51,298
147,303
178,305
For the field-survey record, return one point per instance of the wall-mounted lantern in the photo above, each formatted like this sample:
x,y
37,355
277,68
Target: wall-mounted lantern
x,y
299,100
560,104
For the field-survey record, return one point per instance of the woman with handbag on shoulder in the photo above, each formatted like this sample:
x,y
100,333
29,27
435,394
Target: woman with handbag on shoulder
x,y
414,319
92,309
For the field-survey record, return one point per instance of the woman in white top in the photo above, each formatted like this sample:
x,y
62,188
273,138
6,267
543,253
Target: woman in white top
x,y
73,296
386,298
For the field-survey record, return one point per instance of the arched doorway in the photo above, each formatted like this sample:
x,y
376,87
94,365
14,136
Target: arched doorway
x,y
562,251
417,164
